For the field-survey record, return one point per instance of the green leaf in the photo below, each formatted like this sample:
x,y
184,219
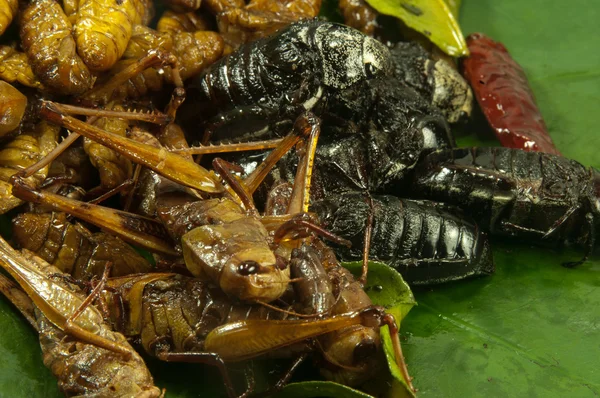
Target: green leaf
x,y
532,329
432,18
386,287
454,7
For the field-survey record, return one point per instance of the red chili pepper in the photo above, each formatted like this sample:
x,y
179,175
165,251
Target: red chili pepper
x,y
504,95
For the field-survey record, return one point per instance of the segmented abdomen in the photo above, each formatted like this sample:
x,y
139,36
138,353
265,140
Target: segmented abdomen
x,y
508,191
178,312
46,38
73,249
103,29
423,240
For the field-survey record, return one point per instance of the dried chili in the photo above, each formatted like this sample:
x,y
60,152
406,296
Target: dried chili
x,y
504,95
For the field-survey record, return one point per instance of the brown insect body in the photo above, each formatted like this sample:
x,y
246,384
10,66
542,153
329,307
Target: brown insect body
x,y
16,68
47,41
103,30
82,369
73,249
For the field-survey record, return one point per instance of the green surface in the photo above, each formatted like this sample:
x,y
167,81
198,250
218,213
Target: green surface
x,y
531,330
433,18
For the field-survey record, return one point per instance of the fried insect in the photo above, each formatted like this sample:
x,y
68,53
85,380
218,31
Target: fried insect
x,y
8,9
16,68
23,151
534,196
12,108
426,242
135,77
73,249
114,169
103,30
259,90
360,15
261,18
47,41
436,80
82,368
215,331
255,274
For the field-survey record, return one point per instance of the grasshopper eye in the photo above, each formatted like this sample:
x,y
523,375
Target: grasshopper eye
x,y
248,268
364,350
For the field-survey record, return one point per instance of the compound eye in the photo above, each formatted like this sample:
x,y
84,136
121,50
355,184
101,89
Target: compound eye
x,y
370,70
248,268
364,350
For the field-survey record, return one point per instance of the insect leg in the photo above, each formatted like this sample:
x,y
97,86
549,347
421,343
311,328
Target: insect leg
x,y
367,242
71,327
287,375
209,358
589,218
131,227
103,92
388,319
300,198
160,160
302,128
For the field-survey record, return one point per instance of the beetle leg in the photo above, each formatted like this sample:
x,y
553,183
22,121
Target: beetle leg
x,y
560,221
591,241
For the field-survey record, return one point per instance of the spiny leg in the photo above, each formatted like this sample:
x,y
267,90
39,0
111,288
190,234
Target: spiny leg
x,y
130,227
388,319
160,160
230,147
75,330
154,117
244,189
303,127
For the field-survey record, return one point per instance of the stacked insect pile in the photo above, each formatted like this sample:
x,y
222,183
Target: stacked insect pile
x,y
246,149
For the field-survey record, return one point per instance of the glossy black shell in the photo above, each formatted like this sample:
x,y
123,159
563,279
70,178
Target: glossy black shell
x,y
258,90
427,242
533,195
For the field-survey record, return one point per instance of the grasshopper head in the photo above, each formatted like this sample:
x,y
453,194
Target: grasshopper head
x,y
254,275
